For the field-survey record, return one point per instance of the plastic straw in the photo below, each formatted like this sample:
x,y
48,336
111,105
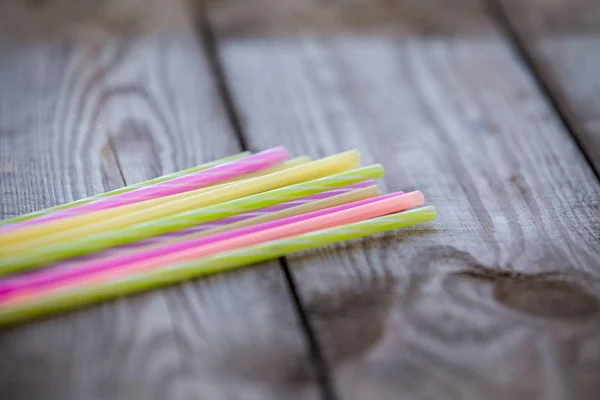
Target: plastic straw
x,y
331,198
180,251
165,199
85,295
55,232
320,201
219,173
77,245
36,214
315,202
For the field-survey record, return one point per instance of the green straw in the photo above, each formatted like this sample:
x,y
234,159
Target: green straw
x,y
125,189
81,246
143,281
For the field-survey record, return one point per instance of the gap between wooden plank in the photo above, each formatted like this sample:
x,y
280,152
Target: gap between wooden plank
x,y
211,51
214,64
499,16
316,352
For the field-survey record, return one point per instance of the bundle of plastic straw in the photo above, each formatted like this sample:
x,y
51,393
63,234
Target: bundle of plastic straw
x,y
219,216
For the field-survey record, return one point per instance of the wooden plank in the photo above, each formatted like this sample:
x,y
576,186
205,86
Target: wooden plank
x,y
288,18
499,297
150,106
562,39
91,19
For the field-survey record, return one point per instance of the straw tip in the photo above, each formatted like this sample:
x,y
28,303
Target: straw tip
x,y
418,196
354,153
431,212
377,171
279,150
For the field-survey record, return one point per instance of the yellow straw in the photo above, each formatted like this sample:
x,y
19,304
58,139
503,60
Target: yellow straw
x,y
162,200
294,162
85,295
166,199
344,198
163,178
24,240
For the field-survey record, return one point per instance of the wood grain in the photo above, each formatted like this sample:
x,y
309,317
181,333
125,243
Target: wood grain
x,y
50,153
562,39
497,299
148,106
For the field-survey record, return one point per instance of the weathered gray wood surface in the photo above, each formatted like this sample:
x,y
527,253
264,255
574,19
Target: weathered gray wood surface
x,y
92,19
499,297
562,40
76,120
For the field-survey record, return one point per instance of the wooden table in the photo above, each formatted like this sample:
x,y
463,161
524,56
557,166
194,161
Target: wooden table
x,y
491,108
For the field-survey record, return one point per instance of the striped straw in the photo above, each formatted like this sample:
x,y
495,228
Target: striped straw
x,y
332,198
334,201
77,246
193,248
125,189
212,226
55,232
196,247
85,295
162,200
173,186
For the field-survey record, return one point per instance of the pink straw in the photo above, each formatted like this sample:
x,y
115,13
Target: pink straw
x,y
196,180
248,215
209,225
83,270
